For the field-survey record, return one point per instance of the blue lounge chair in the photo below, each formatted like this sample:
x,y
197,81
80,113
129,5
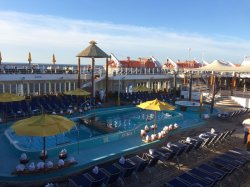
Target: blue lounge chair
x,y
221,166
127,169
152,160
112,174
191,179
213,178
165,154
84,181
176,183
212,170
140,163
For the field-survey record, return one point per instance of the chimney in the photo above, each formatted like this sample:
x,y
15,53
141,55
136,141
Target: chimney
x,y
128,58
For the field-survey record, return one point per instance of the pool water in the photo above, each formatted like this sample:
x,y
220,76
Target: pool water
x,y
127,119
122,119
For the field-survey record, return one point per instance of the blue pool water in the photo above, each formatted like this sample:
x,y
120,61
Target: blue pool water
x,y
122,119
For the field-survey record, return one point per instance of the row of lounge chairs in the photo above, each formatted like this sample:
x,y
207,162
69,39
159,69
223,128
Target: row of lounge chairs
x,y
234,114
214,171
115,172
132,166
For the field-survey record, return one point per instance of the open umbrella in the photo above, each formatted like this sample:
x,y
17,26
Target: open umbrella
x,y
42,125
141,89
246,122
155,105
8,97
77,92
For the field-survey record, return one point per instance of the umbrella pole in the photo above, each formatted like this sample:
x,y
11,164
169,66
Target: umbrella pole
x,y
44,154
78,143
155,122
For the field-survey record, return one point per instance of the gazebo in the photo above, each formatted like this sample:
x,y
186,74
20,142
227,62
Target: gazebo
x,y
93,51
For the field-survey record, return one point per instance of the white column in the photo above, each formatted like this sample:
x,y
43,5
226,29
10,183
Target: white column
x,y
3,88
74,85
44,88
22,88
16,88
10,87
69,85
39,88
49,86
55,91
28,88
60,87
65,86
159,86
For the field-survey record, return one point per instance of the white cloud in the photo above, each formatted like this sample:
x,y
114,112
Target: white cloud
x,y
44,35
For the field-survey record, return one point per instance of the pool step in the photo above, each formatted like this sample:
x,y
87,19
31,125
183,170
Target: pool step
x,y
226,101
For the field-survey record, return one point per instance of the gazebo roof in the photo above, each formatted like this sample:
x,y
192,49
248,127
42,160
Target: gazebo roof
x,y
93,51
217,66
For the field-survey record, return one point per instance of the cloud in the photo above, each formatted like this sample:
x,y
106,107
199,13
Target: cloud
x,y
43,35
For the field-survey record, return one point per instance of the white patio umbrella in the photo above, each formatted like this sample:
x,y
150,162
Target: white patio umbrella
x,y
246,122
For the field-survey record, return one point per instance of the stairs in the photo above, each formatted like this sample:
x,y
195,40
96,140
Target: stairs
x,y
226,101
88,84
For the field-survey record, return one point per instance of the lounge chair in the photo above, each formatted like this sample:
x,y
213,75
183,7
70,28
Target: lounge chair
x,y
152,160
112,174
212,170
84,180
176,182
140,163
224,162
127,168
191,179
165,154
221,166
213,178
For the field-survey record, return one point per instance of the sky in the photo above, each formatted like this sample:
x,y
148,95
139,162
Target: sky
x,y
213,29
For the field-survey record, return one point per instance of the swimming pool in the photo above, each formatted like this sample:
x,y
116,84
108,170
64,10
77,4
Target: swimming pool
x,y
127,121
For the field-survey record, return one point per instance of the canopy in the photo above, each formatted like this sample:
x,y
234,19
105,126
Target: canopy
x,y
7,97
42,125
246,122
156,105
77,92
216,66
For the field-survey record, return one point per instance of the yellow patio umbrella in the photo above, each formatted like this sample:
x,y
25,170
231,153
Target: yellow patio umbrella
x,y
8,97
42,125
77,92
155,105
141,89
246,122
